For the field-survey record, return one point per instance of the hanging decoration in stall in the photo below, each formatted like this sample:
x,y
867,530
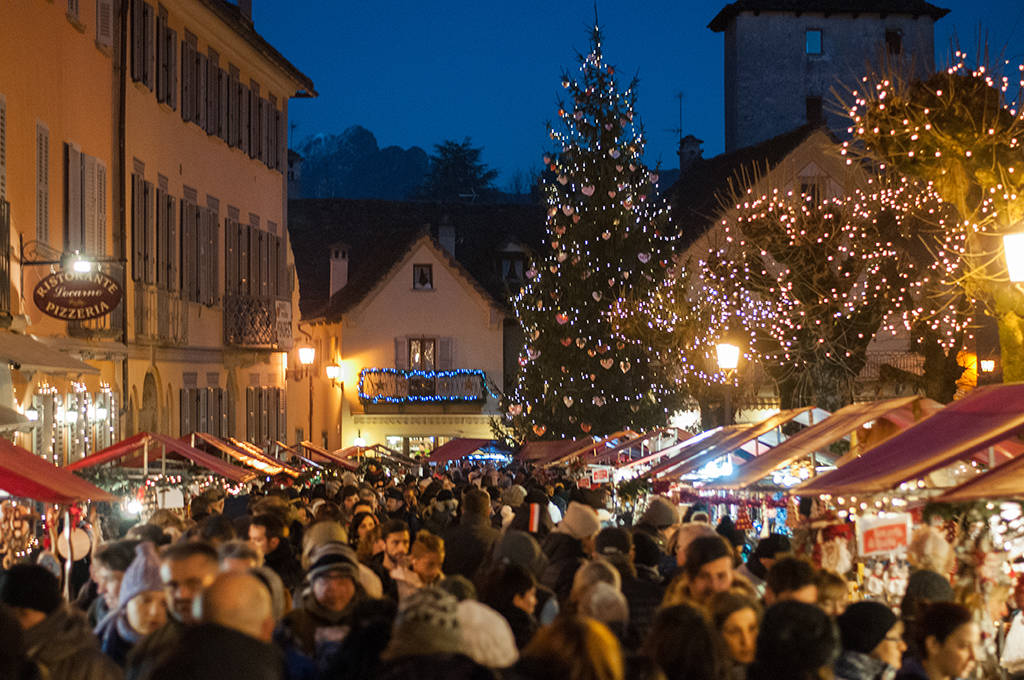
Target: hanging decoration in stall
x,y
17,533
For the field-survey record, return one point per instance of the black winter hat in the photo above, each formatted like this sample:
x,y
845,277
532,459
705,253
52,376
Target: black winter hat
x,y
864,624
30,586
795,638
646,550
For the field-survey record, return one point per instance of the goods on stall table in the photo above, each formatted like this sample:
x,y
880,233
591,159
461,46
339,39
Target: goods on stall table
x,y
16,531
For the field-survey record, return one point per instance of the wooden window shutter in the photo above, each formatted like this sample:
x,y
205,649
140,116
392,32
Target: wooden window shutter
x,y
243,118
72,198
282,415
445,354
223,90
3,147
401,353
264,259
138,232
230,239
202,240
171,38
283,284
281,149
212,93
254,119
161,240
148,44
101,208
90,241
149,216
187,73
138,40
254,261
105,22
161,55
172,243
250,414
233,104
184,422
200,90
214,259
42,183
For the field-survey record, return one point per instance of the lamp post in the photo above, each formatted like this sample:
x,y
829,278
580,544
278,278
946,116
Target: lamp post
x,y
728,360
307,355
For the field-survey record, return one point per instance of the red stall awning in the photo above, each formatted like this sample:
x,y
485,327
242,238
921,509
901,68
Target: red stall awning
x,y
456,449
336,457
26,475
249,455
546,451
129,452
985,417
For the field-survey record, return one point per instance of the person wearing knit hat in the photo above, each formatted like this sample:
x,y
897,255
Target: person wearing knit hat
x,y
872,637
141,607
487,637
57,637
797,641
661,513
323,612
568,546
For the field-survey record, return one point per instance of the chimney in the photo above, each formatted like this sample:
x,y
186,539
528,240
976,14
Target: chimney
x,y
339,267
446,235
689,152
245,9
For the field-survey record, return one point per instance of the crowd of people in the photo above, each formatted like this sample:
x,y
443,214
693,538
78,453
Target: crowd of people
x,y
475,572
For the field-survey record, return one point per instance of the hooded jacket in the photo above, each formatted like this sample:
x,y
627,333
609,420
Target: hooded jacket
x,y
467,544
64,648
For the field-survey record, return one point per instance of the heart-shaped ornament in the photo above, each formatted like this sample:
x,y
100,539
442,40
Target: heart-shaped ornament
x,y
567,209
578,115
608,126
575,219
539,430
624,365
587,190
591,353
611,193
598,401
611,282
585,427
644,257
607,363
566,342
559,229
530,273
562,256
606,235
614,153
547,160
554,245
563,180
567,401
515,409
553,269
596,295
618,168
561,318
653,177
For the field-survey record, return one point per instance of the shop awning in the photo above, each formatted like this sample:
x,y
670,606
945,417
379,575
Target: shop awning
x,y
336,457
683,451
250,457
592,447
809,440
28,354
1004,481
682,435
631,441
281,446
544,451
737,439
133,447
10,419
985,417
26,475
456,449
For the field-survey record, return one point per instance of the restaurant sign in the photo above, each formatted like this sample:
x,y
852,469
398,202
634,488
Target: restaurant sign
x,y
75,296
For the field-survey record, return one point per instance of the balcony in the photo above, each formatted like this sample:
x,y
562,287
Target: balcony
x,y
160,316
395,386
257,322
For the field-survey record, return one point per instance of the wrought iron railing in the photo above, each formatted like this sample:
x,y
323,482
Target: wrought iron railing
x,y
251,321
396,386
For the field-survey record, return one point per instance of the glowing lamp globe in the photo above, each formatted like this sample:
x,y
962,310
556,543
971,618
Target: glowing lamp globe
x,y
1013,248
307,355
728,356
333,371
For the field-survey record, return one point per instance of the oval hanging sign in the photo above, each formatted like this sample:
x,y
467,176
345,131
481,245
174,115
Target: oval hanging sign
x,y
77,297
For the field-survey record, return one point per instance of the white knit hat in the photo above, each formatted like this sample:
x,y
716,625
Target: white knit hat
x,y
486,635
580,521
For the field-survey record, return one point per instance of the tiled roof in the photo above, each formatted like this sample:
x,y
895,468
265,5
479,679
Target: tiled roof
x,y
697,195
884,7
380,233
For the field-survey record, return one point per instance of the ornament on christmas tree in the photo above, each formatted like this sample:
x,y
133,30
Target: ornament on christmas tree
x,y
743,522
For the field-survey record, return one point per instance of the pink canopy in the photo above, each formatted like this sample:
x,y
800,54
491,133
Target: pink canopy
x,y
546,451
456,449
985,417
337,457
26,475
592,447
683,435
133,447
680,452
811,439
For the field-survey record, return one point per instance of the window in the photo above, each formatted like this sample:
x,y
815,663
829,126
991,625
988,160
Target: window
x,y
105,22
815,114
512,267
255,261
813,41
422,277
85,206
143,43
166,61
144,246
73,10
422,354
266,415
894,41
205,409
42,182
199,253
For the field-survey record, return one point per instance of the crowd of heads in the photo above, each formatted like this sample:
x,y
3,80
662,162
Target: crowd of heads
x,y
474,572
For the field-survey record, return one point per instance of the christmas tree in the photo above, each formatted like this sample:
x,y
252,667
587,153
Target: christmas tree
x,y
608,241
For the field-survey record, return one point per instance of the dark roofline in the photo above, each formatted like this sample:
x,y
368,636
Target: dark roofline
x,y
733,9
231,16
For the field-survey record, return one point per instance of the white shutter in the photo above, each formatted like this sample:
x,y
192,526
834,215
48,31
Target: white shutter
x,y
90,213
3,147
42,183
444,354
105,22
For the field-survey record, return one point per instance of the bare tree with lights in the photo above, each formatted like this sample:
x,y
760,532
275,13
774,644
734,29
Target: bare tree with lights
x,y
606,240
960,131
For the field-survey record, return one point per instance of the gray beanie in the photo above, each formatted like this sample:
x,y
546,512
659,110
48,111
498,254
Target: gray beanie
x,y
142,575
427,623
580,521
661,513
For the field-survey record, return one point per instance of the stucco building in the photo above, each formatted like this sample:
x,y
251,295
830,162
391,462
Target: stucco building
x,y
785,59
408,305
151,139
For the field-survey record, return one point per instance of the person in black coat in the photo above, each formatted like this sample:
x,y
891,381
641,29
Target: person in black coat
x,y
568,546
473,538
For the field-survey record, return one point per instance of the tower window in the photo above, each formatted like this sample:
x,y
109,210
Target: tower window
x,y
815,115
894,41
422,277
813,41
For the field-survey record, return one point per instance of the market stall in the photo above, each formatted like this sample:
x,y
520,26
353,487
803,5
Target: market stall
x,y
296,453
249,457
593,450
26,475
152,452
341,458
543,452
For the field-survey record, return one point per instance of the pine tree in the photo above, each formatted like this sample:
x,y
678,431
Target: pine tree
x,y
607,241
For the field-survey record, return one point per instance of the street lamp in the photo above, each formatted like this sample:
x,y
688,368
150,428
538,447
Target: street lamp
x,y
1013,250
307,355
728,360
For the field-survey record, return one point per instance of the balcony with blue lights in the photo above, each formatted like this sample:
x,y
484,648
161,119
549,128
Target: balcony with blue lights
x,y
384,387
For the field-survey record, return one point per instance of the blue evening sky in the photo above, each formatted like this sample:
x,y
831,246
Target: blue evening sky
x,y
417,73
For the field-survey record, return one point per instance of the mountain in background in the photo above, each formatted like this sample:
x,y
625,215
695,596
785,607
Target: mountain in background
x,y
352,165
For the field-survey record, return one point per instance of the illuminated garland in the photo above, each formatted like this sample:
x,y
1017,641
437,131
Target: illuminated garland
x,y
416,373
